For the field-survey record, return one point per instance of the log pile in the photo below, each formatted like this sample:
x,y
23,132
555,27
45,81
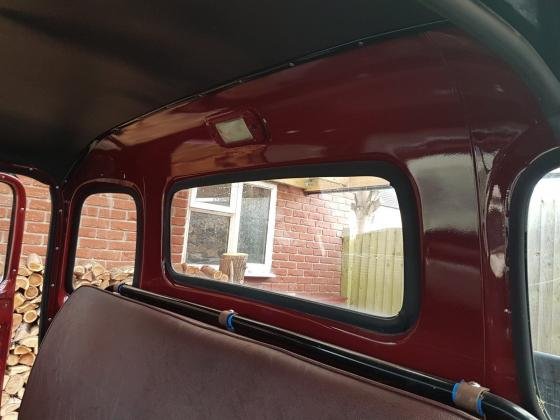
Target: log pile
x,y
25,322
232,269
25,334
204,272
95,274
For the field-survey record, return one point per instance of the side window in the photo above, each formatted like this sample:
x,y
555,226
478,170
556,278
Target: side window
x,y
106,243
6,205
543,278
337,241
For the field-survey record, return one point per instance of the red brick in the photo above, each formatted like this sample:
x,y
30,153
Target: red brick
x,y
92,243
298,228
299,213
27,249
90,211
123,225
178,221
177,249
94,222
315,216
38,204
34,227
177,212
284,264
122,245
311,288
38,192
179,231
98,200
296,257
108,213
87,232
129,256
292,205
295,272
124,203
306,236
281,256
281,211
109,234
176,240
33,239
105,254
280,272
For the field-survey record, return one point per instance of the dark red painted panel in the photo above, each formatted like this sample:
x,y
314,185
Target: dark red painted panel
x,y
436,105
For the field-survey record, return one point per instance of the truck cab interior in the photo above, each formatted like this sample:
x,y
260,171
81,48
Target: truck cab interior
x,y
280,209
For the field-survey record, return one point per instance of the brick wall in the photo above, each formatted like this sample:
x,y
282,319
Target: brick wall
x,y
307,253
107,231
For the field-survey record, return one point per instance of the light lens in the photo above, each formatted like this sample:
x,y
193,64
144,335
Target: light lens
x,y
234,131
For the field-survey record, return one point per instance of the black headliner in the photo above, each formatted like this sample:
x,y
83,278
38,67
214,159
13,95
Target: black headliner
x,y
72,70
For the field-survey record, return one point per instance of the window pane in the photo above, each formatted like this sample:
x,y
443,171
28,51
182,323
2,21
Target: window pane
x,y
335,240
253,225
219,195
106,246
208,238
543,277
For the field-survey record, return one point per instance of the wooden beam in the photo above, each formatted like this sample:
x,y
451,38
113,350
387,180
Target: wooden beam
x,y
326,184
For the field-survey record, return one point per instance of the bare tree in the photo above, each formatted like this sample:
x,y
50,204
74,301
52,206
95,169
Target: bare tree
x,y
364,206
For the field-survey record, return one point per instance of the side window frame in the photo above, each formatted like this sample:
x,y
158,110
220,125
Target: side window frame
x,y
399,180
518,206
80,197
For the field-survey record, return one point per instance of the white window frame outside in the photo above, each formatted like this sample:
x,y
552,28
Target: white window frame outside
x,y
233,211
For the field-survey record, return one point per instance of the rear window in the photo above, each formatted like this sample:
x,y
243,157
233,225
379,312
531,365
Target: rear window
x,y
336,241
106,245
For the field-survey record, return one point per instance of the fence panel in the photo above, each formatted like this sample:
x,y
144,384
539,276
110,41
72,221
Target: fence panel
x,y
543,272
373,271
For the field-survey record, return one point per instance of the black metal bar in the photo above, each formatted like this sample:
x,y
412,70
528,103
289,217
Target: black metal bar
x,y
417,383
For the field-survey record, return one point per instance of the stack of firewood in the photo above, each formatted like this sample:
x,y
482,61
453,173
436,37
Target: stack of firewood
x,y
25,324
95,274
25,334
205,272
231,269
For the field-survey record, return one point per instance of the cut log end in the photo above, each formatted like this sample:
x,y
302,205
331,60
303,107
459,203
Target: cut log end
x,y
34,262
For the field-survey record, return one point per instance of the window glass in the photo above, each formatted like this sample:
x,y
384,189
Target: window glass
x,y
216,194
333,240
207,238
253,224
6,204
106,245
543,277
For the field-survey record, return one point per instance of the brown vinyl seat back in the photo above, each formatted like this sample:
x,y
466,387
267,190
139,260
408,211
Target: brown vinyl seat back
x,y
108,357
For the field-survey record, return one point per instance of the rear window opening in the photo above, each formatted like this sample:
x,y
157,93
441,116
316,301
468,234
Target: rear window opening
x,y
106,243
331,240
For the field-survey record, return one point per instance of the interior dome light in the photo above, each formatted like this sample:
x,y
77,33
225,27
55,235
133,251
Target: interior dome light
x,y
234,131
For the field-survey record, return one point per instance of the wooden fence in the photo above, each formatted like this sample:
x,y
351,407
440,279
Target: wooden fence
x,y
543,271
373,271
